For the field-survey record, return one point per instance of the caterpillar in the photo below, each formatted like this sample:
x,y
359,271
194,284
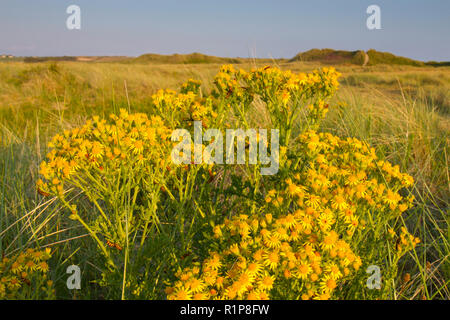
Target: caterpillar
x,y
43,193
113,245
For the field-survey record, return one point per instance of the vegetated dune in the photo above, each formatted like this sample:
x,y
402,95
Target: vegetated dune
x,y
331,56
75,58
323,56
194,58
371,57
377,57
153,58
191,58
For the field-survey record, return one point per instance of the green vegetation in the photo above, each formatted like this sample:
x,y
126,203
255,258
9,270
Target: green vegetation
x,y
371,58
330,56
323,56
377,57
193,58
399,106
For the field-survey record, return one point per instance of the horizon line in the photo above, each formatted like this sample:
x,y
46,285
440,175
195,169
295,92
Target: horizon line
x,y
210,55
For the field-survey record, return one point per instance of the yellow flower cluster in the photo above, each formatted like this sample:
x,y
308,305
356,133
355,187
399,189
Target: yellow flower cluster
x,y
102,147
336,195
191,85
332,209
343,175
275,85
405,241
269,80
285,93
228,84
183,108
267,255
22,271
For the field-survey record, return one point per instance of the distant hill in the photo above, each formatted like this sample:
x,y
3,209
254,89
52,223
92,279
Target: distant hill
x,y
44,59
438,64
370,58
377,57
191,58
75,58
330,56
324,56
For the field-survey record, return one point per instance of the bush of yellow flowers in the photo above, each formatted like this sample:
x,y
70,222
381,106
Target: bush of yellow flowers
x,y
215,231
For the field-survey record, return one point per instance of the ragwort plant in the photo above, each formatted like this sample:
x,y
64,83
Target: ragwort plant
x,y
139,199
203,231
332,208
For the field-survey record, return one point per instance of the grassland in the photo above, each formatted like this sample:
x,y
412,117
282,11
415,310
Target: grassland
x,y
403,111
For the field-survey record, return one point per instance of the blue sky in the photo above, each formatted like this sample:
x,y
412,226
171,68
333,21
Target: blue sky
x,y
245,28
